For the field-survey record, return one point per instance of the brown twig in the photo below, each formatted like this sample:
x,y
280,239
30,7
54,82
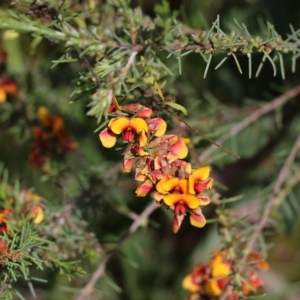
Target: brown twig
x,y
215,143
278,101
267,210
272,199
101,268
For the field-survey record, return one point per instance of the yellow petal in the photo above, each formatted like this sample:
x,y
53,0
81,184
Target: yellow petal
x,y
189,285
2,95
43,115
143,139
38,214
144,188
201,173
118,125
189,200
170,184
107,138
158,126
138,124
197,219
180,149
183,185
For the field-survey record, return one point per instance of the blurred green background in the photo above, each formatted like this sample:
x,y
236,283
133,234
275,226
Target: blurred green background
x,y
153,262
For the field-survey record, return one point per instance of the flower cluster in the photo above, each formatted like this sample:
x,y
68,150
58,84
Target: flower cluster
x,y
8,85
50,139
158,160
210,281
29,204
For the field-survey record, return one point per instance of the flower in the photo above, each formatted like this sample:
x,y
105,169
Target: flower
x,y
49,139
220,267
114,106
211,280
158,126
4,214
178,193
178,149
7,87
199,180
137,110
128,127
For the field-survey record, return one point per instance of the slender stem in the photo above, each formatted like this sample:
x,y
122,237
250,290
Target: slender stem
x,y
101,268
278,101
272,199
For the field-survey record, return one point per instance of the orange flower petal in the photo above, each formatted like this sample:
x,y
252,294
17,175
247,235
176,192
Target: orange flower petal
x,y
201,173
158,196
138,124
57,124
107,138
10,86
197,219
118,125
159,185
189,200
204,200
180,149
191,184
144,188
158,126
38,214
127,164
183,185
143,139
43,115
170,184
189,284
2,95
139,176
177,221
212,288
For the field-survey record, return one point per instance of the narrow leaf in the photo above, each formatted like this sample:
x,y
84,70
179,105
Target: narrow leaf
x,y
177,107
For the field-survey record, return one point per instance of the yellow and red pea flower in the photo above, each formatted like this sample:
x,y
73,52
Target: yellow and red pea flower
x,y
159,164
8,86
128,127
4,214
178,149
157,126
50,138
33,207
199,180
197,219
211,280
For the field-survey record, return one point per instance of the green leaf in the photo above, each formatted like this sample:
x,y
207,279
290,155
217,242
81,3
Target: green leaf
x,y
177,107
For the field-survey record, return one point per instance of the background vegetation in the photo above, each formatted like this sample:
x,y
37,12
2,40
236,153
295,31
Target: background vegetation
x,y
89,203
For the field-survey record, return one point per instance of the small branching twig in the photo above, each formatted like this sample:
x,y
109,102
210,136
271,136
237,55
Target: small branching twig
x,y
278,101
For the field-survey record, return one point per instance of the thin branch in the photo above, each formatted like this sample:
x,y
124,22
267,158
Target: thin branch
x,y
272,199
267,210
130,61
215,143
101,268
278,101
